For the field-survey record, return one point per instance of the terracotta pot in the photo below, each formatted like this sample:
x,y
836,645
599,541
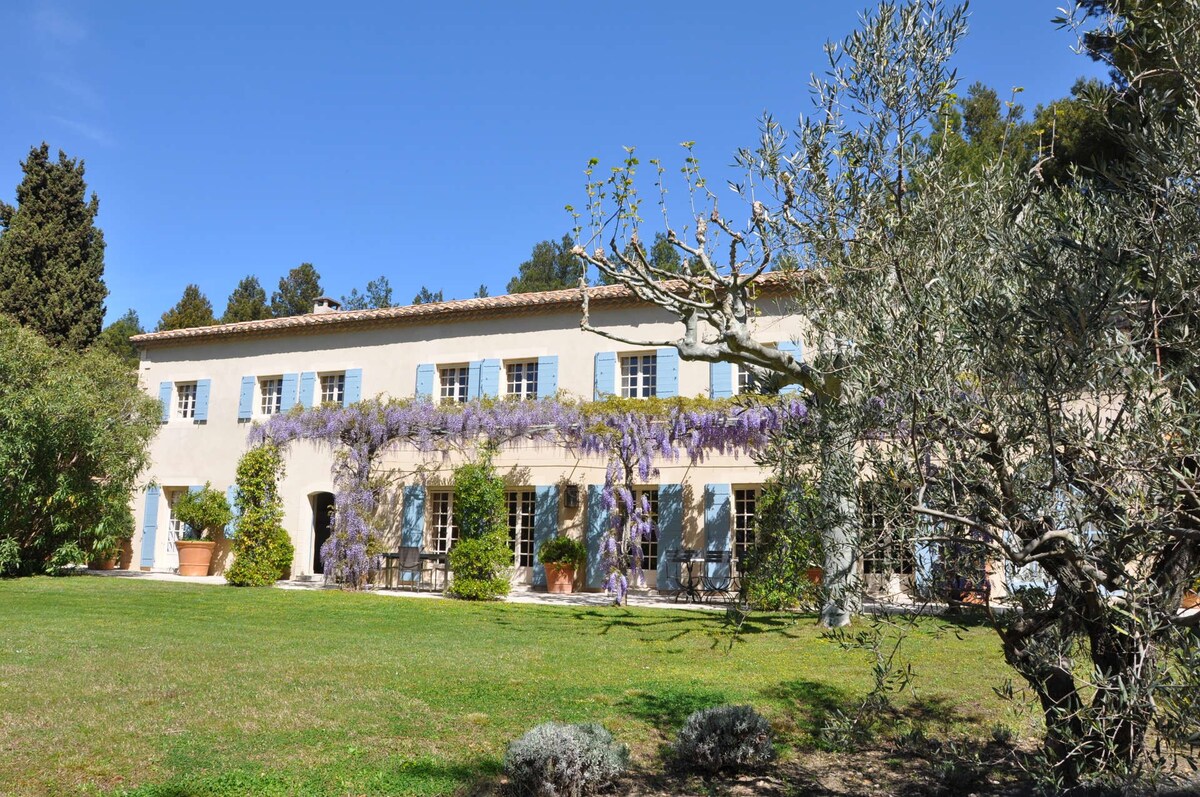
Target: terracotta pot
x,y
195,556
1191,599
815,574
560,578
104,564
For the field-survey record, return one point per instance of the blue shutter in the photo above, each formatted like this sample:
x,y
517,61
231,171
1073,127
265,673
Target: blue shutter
x,y
150,526
473,368
795,350
606,374
425,374
717,524
164,399
666,383
353,393
308,388
246,399
489,378
203,388
291,384
720,380
670,529
597,532
924,558
412,521
231,526
547,376
545,525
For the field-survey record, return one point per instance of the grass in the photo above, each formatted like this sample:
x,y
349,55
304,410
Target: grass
x,y
164,689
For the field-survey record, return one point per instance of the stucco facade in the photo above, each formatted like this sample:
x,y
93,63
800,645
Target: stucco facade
x,y
216,383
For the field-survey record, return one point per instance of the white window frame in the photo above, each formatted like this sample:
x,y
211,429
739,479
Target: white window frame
x,y
521,379
270,395
741,379
175,528
522,517
453,383
649,544
745,511
443,529
333,388
639,375
185,400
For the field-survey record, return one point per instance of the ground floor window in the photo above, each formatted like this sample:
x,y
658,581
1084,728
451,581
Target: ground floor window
x,y
650,544
445,532
175,527
521,505
887,533
745,507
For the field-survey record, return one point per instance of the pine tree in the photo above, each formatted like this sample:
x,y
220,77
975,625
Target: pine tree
x,y
52,254
193,310
248,302
297,292
662,256
115,337
550,267
378,295
427,296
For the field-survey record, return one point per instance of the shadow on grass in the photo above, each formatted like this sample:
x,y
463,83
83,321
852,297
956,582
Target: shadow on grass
x,y
666,709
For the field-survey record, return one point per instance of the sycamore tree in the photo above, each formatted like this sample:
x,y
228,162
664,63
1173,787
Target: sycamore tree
x,y
829,198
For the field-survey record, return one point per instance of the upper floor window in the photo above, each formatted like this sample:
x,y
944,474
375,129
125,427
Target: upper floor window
x,y
520,526
639,373
743,377
523,380
445,532
745,507
271,389
333,389
454,380
185,399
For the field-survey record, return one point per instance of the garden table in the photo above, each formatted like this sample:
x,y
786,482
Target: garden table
x,y
436,562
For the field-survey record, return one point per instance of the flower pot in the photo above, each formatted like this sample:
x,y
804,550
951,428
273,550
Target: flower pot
x,y
109,563
195,556
1191,599
560,578
816,575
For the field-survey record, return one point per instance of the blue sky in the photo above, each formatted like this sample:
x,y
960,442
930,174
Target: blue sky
x,y
433,143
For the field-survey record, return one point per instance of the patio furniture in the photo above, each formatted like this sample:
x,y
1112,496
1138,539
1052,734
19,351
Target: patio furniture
x,y
680,579
435,563
407,565
717,575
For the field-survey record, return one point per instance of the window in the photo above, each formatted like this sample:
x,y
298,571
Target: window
x,y
520,526
454,383
185,401
523,380
887,538
650,544
638,375
333,389
742,379
745,505
175,527
272,395
445,532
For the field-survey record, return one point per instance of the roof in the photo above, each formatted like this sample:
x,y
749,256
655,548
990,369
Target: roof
x,y
456,310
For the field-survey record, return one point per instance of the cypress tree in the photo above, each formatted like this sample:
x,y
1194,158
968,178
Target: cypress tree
x,y
52,254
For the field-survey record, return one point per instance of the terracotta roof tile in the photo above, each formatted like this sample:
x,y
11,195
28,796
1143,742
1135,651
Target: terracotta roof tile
x,y
455,310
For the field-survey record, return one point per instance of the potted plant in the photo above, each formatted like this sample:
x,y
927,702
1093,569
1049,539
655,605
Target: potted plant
x,y
203,513
561,556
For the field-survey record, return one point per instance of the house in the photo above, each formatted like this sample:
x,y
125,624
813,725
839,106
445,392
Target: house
x,y
215,382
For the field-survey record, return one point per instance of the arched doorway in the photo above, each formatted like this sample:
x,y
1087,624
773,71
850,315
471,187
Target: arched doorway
x,y
322,505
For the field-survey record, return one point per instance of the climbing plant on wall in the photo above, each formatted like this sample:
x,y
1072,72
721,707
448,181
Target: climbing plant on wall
x,y
631,435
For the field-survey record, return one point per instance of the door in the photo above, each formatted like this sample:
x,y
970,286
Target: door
x,y
174,530
322,527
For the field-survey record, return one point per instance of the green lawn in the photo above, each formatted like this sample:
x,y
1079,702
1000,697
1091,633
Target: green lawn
x,y
175,689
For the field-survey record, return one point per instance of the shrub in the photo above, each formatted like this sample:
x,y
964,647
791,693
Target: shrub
x,y
262,551
557,760
786,545
723,739
480,560
562,550
204,512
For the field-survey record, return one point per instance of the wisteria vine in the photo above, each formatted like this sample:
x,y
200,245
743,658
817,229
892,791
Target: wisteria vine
x,y
632,435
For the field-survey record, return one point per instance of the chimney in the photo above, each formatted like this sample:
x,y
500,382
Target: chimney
x,y
323,304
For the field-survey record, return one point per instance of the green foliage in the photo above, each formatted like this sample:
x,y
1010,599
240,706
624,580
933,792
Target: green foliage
x,y
550,267
115,338
723,739
248,302
378,295
557,760
479,561
262,550
787,542
52,254
192,310
562,550
481,293
297,292
204,512
74,432
427,296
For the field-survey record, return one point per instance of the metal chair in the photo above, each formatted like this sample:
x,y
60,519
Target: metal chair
x,y
679,581
408,566
717,577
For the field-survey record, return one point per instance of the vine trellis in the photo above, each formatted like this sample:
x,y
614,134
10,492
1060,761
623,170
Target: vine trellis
x,y
632,435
